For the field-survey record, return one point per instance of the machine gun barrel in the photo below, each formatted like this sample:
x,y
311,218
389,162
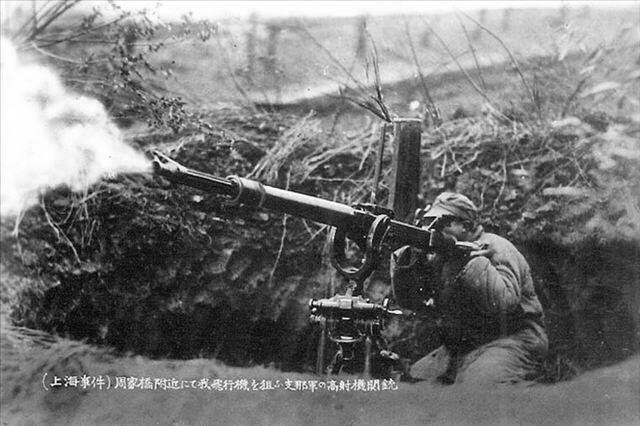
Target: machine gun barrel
x,y
176,172
254,194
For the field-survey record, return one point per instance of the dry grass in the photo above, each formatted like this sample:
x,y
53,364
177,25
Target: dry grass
x,y
606,396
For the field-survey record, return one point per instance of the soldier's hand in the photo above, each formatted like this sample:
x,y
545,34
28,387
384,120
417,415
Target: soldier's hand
x,y
484,251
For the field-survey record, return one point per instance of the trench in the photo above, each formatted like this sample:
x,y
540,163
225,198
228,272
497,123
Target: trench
x,y
590,294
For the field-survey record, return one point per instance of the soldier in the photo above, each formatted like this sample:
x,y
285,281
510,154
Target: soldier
x,y
491,322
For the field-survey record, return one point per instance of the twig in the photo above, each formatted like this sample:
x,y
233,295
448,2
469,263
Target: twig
x,y
35,16
444,165
280,248
312,162
60,58
363,104
33,19
282,238
473,52
315,234
513,59
109,41
323,179
378,108
59,232
466,74
466,163
581,172
378,166
16,227
431,106
231,74
54,13
504,180
348,73
376,68
366,154
567,104
73,37
453,158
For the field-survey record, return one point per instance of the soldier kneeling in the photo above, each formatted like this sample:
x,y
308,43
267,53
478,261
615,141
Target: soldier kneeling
x,y
491,322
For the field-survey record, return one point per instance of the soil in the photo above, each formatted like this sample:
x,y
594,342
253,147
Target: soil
x,y
605,396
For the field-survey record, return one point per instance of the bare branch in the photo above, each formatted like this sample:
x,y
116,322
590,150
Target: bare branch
x,y
363,104
52,55
60,235
378,165
511,57
504,181
378,98
377,107
577,90
464,71
282,238
33,19
473,52
77,35
51,15
236,83
339,64
432,109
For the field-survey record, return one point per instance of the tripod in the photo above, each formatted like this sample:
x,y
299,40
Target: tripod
x,y
349,321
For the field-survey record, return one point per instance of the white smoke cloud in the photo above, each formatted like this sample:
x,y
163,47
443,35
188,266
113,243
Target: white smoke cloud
x,y
52,137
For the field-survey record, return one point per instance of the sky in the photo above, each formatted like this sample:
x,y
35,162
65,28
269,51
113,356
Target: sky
x,y
225,9
174,9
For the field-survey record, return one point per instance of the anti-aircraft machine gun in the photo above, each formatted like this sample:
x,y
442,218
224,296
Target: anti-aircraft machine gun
x,y
348,318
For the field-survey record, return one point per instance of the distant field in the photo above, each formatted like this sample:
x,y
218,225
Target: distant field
x,y
290,64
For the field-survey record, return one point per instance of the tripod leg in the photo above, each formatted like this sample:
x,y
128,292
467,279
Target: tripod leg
x,y
337,362
367,357
320,353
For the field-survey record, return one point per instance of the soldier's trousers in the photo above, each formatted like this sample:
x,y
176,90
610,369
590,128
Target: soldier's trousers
x,y
512,359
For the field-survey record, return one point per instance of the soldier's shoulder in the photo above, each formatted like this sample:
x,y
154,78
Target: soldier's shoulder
x,y
489,237
498,243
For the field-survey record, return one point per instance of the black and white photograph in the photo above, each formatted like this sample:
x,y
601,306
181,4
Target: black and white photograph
x,y
319,212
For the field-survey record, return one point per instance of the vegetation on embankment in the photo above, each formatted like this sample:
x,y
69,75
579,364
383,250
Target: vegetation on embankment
x,y
166,271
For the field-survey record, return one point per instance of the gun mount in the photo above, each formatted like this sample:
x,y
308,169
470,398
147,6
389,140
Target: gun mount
x,y
348,318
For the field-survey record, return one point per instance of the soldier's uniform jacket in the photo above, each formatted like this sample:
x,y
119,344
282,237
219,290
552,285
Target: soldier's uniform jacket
x,y
478,299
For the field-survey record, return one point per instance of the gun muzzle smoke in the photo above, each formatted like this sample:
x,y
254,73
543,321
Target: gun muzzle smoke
x,y
51,136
